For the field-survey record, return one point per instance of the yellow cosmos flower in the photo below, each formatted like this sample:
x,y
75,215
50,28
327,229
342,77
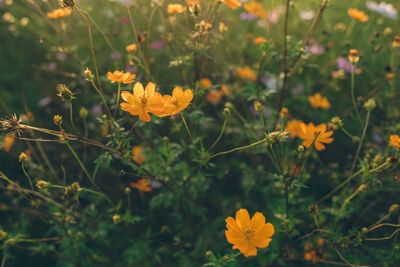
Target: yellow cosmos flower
x,y
137,155
394,141
255,9
8,142
179,100
205,83
231,3
143,101
245,73
175,9
247,235
259,40
319,101
59,13
214,96
143,185
132,48
294,128
121,77
357,14
317,135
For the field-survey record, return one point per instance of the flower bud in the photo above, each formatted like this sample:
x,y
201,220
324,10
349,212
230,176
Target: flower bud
x,y
57,119
227,112
88,74
396,42
394,208
83,113
116,219
23,157
3,234
76,187
41,184
336,123
370,104
353,56
64,93
258,106
127,190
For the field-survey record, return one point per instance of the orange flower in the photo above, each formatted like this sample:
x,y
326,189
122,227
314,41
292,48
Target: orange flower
x,y
143,101
394,141
247,235
225,89
255,9
245,73
132,48
137,155
317,135
319,101
357,14
175,9
294,128
205,83
59,13
231,3
121,77
178,101
143,185
259,40
8,142
214,96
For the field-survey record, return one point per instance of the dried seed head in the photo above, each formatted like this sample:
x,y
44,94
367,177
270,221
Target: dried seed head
x,y
41,184
258,106
64,93
336,123
11,126
57,119
370,104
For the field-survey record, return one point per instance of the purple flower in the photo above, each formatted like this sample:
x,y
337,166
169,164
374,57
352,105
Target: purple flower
x,y
315,49
52,66
344,64
157,45
45,101
131,68
124,20
247,16
96,110
116,55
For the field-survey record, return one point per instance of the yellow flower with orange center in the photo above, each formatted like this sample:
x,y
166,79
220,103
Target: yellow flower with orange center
x,y
137,155
132,48
255,9
231,3
315,135
59,13
245,73
294,128
247,234
121,77
143,185
179,101
357,14
394,141
143,101
8,142
175,9
319,101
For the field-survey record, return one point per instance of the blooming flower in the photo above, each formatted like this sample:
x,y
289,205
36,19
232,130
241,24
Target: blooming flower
x,y
383,9
255,9
143,185
121,77
205,83
179,100
259,40
231,3
137,155
175,9
357,14
319,101
247,235
294,128
59,13
143,101
8,142
131,48
394,141
245,73
317,135
214,96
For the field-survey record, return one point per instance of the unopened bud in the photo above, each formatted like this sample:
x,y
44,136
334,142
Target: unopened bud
x,y
41,184
88,74
57,119
116,218
370,104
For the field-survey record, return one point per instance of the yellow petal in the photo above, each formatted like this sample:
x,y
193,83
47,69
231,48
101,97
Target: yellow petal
x,y
257,221
138,90
232,225
126,95
177,92
234,237
150,89
243,218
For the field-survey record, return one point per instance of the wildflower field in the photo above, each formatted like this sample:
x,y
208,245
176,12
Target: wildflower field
x,y
208,133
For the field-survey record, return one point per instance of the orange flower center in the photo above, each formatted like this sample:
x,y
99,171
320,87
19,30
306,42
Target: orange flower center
x,y
144,101
249,231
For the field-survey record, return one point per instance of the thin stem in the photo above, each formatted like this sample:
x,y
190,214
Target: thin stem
x,y
186,126
26,174
102,98
353,98
71,115
239,148
361,141
3,261
220,133
118,99
73,152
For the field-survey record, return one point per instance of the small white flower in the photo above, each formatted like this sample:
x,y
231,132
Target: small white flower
x,y
383,9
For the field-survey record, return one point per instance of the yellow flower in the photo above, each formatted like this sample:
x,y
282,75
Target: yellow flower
x,y
132,48
319,101
137,155
143,101
121,77
59,13
395,141
231,3
8,142
294,128
175,9
357,14
259,40
245,73
205,83
179,100
255,9
315,135
214,96
143,185
247,235
396,42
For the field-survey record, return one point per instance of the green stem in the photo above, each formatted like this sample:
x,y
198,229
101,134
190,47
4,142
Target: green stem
x,y
220,134
71,115
102,98
73,152
117,103
353,98
186,126
361,141
239,148
27,175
